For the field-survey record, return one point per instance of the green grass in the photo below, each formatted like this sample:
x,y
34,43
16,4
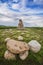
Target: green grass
x,y
30,34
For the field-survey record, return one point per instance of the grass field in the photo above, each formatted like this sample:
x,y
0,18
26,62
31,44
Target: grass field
x,y
30,34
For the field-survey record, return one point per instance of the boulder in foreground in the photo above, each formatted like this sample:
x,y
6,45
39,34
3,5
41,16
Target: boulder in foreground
x,y
9,56
17,47
34,46
24,55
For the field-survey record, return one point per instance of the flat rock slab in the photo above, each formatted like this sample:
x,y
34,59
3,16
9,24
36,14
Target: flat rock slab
x,y
17,46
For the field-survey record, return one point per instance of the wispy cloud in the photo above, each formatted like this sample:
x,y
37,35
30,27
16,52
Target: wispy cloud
x,y
38,1
34,17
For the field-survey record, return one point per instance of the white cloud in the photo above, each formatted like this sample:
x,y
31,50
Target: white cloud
x,y
15,0
6,11
5,19
32,11
11,16
15,6
38,1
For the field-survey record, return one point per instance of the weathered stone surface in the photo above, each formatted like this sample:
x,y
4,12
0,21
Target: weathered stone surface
x,y
20,38
34,46
23,55
16,46
20,24
9,56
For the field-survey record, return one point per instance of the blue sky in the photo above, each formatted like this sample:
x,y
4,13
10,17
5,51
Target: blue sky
x,y
30,11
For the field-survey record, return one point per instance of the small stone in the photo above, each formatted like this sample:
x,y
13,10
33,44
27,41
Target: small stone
x,y
3,34
10,29
7,39
20,38
34,46
23,55
18,31
9,56
22,33
25,31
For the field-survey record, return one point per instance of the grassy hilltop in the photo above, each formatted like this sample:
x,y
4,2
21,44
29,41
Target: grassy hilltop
x,y
30,34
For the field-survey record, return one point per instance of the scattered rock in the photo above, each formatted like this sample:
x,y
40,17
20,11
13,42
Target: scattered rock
x,y
16,47
18,31
7,39
3,34
26,31
20,38
34,46
27,35
10,30
23,55
22,33
9,56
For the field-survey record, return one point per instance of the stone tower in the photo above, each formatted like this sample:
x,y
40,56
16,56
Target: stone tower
x,y
20,24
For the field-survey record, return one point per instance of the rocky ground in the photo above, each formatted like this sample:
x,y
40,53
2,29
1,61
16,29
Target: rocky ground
x,y
28,34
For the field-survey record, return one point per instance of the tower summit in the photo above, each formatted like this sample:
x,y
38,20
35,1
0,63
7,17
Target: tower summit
x,y
20,24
